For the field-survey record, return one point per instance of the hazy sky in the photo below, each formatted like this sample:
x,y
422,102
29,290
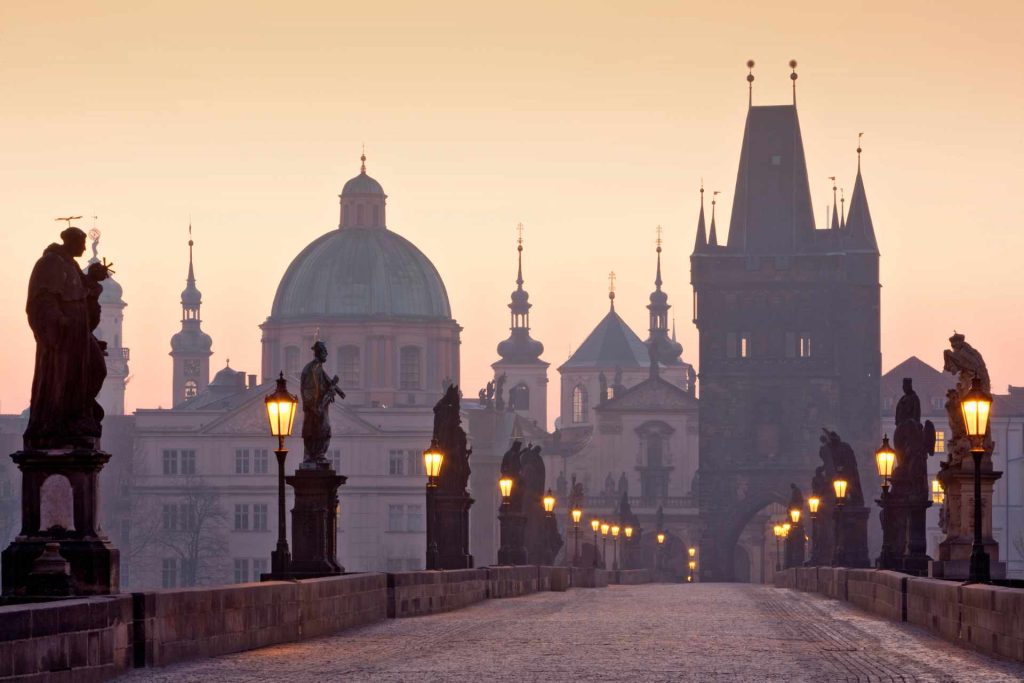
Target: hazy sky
x,y
589,122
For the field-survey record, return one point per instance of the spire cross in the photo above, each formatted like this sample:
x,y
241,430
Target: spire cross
x,y
362,159
793,77
611,283
859,136
519,238
658,230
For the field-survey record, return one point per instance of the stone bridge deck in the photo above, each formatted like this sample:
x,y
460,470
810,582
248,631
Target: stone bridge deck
x,y
700,632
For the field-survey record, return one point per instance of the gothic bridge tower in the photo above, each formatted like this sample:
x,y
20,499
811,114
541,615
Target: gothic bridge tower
x,y
788,321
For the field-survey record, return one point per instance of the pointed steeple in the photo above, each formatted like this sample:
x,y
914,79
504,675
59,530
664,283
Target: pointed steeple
x,y
713,235
860,230
519,347
835,206
842,208
611,292
702,237
191,297
190,347
660,348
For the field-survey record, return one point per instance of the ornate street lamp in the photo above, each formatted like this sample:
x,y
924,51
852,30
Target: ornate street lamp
x,y
794,515
577,515
433,458
938,493
661,538
615,547
505,486
604,543
777,530
281,414
692,565
659,560
692,552
813,503
595,524
839,485
511,523
885,460
976,406
549,503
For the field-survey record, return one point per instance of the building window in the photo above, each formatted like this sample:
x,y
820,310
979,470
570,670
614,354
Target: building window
x,y
940,441
241,570
396,518
745,345
170,462
241,517
348,365
191,388
414,463
335,457
261,458
241,461
414,517
805,346
170,517
169,572
259,517
188,461
519,397
291,360
776,160
259,567
887,403
579,404
410,368
936,403
396,463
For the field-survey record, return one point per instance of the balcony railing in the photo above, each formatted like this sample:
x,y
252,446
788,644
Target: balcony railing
x,y
639,502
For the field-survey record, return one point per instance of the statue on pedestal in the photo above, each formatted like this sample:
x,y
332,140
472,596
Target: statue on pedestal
x,y
452,499
318,392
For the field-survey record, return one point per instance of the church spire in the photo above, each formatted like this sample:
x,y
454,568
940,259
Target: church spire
x,y
519,347
660,348
835,205
190,347
191,297
611,291
860,230
702,238
713,235
842,208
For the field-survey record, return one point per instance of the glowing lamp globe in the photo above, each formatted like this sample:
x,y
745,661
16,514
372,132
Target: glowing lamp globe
x,y
615,530
281,409
975,407
549,502
628,531
692,552
885,459
777,530
604,529
692,564
505,484
813,503
577,515
794,515
661,538
433,458
595,524
840,488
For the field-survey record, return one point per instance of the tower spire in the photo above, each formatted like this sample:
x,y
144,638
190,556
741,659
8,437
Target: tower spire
x,y
842,208
362,161
713,235
611,290
659,347
702,237
835,205
519,248
750,83
657,241
793,77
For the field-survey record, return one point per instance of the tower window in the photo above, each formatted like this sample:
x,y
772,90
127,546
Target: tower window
x,y
805,346
291,360
191,388
940,441
776,160
579,404
737,345
348,365
409,376
745,345
519,397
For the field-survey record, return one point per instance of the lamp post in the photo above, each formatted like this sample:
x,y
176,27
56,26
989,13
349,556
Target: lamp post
x,y
975,407
839,486
627,559
595,524
604,543
577,515
813,503
661,546
777,530
433,458
615,547
795,543
280,407
885,461
511,551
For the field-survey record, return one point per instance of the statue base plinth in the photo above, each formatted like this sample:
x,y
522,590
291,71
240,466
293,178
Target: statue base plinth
x,y
851,548
960,570
452,530
315,524
60,504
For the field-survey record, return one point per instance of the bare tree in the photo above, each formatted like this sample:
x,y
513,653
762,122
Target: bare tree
x,y
194,533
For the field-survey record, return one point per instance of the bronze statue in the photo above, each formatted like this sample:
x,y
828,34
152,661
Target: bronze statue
x,y
63,310
913,443
318,392
843,459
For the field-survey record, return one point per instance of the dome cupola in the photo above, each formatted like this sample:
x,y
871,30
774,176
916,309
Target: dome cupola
x,y
362,201
520,347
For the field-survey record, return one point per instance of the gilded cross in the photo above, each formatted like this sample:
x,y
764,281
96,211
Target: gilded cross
x,y
611,282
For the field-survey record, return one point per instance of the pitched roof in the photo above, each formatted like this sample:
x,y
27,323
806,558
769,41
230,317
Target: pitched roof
x,y
859,228
771,211
654,394
611,344
930,384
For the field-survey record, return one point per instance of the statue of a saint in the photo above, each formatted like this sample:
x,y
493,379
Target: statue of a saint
x,y
318,392
499,391
841,455
63,310
966,363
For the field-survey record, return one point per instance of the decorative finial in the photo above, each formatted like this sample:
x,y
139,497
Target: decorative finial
x,y
519,238
793,77
842,207
658,231
859,150
657,241
519,248
227,363
611,288
750,83
362,159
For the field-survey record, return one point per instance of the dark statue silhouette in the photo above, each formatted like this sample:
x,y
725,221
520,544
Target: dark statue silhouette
x,y
318,392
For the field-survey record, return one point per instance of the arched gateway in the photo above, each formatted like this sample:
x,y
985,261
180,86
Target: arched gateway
x,y
788,316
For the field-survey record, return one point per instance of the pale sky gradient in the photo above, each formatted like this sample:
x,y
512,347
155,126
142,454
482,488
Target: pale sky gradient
x,y
590,122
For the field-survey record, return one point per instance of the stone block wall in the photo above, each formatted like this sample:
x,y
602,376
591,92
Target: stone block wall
x,y
414,593
879,592
552,578
633,577
67,640
508,582
934,605
177,625
589,577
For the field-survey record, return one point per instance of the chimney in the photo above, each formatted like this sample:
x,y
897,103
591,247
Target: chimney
x,y
252,382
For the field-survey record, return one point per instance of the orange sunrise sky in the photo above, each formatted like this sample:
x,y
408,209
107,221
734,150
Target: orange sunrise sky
x,y
589,122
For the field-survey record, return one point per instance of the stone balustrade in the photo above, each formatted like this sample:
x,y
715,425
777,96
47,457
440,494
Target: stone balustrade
x,y
989,619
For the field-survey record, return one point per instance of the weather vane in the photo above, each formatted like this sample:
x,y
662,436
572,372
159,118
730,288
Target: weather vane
x,y
68,219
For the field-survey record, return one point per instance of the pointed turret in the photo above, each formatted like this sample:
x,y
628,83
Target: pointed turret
x,y
713,235
860,231
661,349
701,243
834,225
519,347
190,347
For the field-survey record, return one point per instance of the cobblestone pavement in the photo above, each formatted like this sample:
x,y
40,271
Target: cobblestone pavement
x,y
709,632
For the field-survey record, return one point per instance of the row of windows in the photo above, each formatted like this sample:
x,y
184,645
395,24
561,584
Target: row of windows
x,y
178,517
247,461
738,345
349,367
244,521
405,463
405,518
243,565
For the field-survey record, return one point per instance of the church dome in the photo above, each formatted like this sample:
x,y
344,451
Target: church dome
x,y
358,273
111,293
362,184
191,340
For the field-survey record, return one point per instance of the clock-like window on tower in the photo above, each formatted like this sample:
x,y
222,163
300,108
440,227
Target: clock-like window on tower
x,y
348,365
409,376
519,397
191,388
579,404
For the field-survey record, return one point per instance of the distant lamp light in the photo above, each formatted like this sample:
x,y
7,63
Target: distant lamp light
x,y
628,531
786,526
813,503
938,493
661,538
604,529
505,484
840,488
549,502
692,552
794,515
433,458
577,515
689,578
777,530
595,524
975,407
692,564
615,530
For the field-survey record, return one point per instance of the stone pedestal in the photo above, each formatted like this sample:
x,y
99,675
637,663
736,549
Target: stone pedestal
x,y
955,550
451,530
795,547
315,523
822,528
851,545
513,529
60,505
